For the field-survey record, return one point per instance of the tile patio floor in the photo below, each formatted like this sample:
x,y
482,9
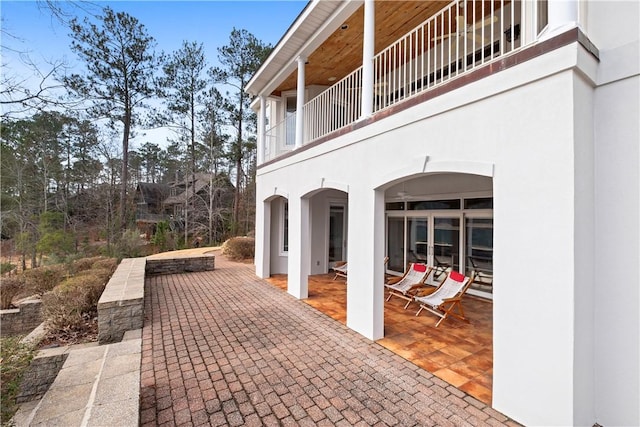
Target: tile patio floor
x,y
225,348
457,352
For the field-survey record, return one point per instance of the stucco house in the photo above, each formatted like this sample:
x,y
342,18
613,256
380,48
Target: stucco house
x,y
499,132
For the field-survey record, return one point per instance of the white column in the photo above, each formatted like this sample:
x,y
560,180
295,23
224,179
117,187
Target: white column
x,y
368,49
365,288
261,130
299,240
300,102
562,13
263,238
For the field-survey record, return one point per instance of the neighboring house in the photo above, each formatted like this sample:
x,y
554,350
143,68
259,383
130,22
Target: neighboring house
x,y
194,192
150,209
500,133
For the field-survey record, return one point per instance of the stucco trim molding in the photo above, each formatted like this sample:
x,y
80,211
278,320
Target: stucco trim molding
x,y
277,192
423,165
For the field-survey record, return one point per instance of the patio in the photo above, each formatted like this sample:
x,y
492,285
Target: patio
x,y
459,353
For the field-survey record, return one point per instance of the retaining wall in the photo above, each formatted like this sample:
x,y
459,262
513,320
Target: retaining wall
x,y
186,264
120,307
21,320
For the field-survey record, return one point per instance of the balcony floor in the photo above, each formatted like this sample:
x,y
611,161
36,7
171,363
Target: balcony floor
x,y
457,352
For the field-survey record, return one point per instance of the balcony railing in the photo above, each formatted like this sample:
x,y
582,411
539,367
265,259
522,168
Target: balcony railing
x,y
460,37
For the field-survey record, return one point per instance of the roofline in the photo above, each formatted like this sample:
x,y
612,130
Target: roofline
x,y
272,75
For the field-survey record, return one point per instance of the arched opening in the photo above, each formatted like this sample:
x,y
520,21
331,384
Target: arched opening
x,y
444,220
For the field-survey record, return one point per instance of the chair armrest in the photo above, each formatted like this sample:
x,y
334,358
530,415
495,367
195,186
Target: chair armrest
x,y
393,280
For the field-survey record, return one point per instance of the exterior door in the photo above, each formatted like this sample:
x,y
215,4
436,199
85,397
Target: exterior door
x,y
445,248
337,234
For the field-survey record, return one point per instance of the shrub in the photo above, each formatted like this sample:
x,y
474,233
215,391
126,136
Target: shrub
x,y
15,358
43,279
239,248
9,288
106,263
6,267
66,306
84,264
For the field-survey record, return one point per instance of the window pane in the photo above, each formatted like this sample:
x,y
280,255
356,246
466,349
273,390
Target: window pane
x,y
395,206
446,245
395,244
417,239
479,251
480,203
285,227
434,204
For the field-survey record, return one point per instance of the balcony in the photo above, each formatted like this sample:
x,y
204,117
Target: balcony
x,y
451,43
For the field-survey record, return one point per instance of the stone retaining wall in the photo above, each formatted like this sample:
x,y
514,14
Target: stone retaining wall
x,y
41,373
120,307
21,320
185,264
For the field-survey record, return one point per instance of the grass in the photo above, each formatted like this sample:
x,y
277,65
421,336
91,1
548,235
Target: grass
x,y
14,361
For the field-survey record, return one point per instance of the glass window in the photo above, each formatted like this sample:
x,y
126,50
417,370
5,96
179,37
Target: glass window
x,y
285,226
480,203
446,245
434,205
395,206
543,15
479,251
417,239
395,243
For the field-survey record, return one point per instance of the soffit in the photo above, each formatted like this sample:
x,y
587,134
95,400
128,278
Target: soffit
x,y
337,51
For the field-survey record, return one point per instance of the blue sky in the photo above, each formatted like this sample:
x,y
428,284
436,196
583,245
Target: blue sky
x,y
26,27
169,22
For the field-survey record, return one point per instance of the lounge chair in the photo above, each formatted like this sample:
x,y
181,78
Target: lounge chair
x,y
441,266
340,269
481,270
407,286
446,297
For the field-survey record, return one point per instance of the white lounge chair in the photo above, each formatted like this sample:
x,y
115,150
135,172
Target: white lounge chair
x,y
446,297
406,286
340,270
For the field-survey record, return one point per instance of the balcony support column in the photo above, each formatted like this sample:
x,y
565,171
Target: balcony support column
x,y
300,102
368,50
563,14
261,130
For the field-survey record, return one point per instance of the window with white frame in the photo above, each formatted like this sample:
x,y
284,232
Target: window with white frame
x,y
284,226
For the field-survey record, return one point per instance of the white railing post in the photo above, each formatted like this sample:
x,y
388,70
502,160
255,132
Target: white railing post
x,y
300,103
368,50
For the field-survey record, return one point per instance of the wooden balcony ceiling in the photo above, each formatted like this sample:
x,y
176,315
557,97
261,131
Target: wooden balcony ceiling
x,y
341,53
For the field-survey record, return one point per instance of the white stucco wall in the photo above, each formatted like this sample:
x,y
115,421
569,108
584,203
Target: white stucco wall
x,y
617,252
566,231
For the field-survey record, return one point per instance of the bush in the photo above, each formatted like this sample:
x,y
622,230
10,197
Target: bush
x,y
43,279
66,307
9,288
107,264
239,248
84,264
6,267
15,358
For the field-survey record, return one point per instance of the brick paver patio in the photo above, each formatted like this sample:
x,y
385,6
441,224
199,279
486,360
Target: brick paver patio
x,y
226,348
